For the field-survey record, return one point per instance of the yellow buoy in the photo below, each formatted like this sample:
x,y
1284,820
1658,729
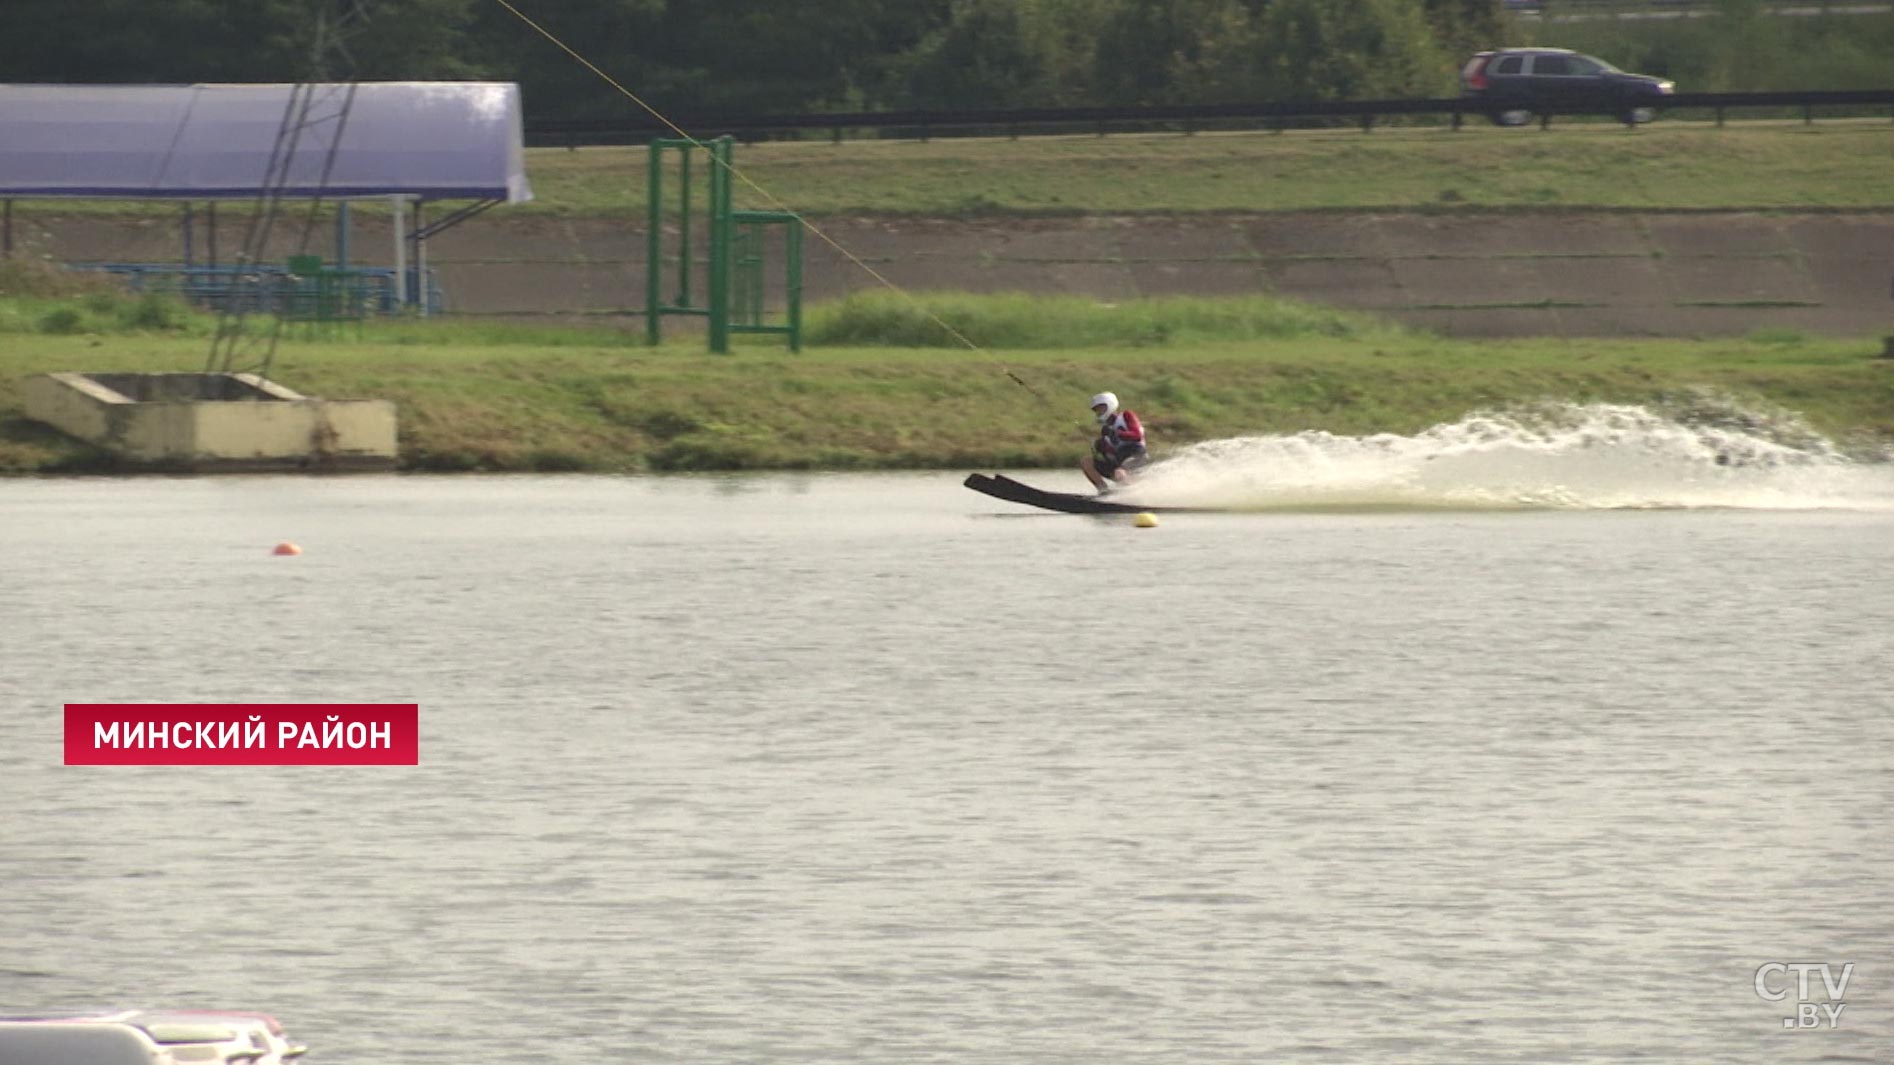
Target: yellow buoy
x,y
287,548
1145,520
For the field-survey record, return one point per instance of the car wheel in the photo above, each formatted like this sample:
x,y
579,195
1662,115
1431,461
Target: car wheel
x,y
1512,118
1637,116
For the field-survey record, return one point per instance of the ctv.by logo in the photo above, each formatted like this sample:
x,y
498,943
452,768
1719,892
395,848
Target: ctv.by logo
x,y
1772,985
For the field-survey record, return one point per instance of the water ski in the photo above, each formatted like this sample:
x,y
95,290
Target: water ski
x,y
1000,486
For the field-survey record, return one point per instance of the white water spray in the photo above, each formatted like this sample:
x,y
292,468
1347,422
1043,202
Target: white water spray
x,y
1597,456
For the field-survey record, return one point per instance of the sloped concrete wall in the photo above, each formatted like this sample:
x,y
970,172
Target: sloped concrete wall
x,y
314,432
1560,273
278,429
1557,273
73,404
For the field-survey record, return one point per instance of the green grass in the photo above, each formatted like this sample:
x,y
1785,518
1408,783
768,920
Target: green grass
x,y
1662,166
1840,164
490,397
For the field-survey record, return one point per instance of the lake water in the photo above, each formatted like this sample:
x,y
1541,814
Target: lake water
x,y
1473,747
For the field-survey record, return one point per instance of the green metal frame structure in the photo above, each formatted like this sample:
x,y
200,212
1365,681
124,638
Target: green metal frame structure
x,y
747,257
734,258
323,299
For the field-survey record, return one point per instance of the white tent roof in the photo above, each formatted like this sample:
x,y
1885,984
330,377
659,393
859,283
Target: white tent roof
x,y
432,140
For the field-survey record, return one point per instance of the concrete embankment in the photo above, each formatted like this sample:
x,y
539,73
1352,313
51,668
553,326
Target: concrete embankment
x,y
1525,273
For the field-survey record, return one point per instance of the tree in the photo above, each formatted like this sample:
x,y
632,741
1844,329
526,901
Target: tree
x,y
694,56
1350,50
768,56
125,41
1464,27
618,36
980,58
224,40
1229,61
1007,53
415,40
1139,45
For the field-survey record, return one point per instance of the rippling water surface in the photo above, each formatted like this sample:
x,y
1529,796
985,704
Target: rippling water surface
x,y
872,769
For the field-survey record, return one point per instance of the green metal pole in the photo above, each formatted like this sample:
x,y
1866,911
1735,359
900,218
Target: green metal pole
x,y
342,235
739,273
792,238
684,224
653,242
720,247
759,248
750,266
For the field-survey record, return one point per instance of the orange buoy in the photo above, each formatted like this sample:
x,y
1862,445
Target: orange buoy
x,y
287,548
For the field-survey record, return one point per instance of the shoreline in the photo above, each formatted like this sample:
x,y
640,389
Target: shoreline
x,y
622,408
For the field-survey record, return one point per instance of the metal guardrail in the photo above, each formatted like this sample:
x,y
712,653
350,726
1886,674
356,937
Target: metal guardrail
x,y
920,125
266,287
1660,9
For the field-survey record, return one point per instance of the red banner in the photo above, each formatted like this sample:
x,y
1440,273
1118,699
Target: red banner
x,y
243,734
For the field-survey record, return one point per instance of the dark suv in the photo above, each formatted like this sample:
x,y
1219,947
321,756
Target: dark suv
x,y
1520,82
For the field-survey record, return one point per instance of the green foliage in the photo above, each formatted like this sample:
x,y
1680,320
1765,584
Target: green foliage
x,y
1778,336
98,311
62,321
703,55
225,40
40,279
157,313
1353,49
411,40
1463,27
694,56
993,53
1741,48
1140,43
1317,50
619,33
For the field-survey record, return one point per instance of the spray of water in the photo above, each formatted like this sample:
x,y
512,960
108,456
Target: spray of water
x,y
1702,453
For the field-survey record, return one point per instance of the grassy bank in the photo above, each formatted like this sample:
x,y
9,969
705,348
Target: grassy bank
x,y
1671,164
499,398
1668,165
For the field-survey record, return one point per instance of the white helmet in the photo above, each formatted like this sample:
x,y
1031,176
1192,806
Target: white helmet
x,y
1107,401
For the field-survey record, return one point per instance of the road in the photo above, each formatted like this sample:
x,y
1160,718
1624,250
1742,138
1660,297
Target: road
x,y
1583,11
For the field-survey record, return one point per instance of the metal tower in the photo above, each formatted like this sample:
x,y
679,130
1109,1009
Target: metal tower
x,y
307,141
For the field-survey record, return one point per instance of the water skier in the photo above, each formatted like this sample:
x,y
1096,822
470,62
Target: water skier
x,y
1119,449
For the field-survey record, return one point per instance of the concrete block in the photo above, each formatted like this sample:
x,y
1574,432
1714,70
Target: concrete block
x,y
214,422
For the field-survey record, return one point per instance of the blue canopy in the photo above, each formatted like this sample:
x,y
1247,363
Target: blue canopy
x,y
425,139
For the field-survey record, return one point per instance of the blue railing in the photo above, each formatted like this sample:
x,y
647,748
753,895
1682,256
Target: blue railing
x,y
270,288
